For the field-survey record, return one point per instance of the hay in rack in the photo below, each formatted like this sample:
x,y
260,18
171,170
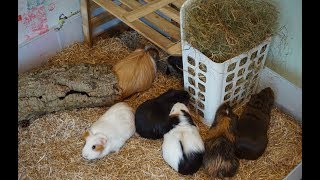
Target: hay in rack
x,y
223,29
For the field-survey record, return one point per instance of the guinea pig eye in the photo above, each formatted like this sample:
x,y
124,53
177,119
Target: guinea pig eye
x,y
93,147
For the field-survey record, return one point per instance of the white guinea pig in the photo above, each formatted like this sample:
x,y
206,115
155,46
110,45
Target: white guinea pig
x,y
182,147
110,132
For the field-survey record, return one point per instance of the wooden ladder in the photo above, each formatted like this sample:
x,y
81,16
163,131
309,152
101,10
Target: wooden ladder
x,y
156,20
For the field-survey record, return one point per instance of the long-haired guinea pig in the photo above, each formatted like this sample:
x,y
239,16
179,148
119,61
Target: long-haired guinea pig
x,y
137,71
152,116
253,124
220,160
182,147
110,132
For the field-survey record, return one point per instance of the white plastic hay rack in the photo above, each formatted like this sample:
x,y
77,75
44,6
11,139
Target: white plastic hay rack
x,y
210,83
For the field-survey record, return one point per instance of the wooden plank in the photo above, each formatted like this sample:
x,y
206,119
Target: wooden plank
x,y
86,26
93,6
175,49
158,21
178,3
169,12
101,18
137,25
146,9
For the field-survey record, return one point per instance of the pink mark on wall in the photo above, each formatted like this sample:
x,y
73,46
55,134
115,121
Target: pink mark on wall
x,y
35,22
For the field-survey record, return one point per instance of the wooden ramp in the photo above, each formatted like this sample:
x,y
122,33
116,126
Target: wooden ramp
x,y
156,20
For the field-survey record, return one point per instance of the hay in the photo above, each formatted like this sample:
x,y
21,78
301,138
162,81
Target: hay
x,y
223,29
50,147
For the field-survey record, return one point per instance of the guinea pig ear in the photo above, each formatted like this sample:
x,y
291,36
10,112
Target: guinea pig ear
x,y
102,140
85,135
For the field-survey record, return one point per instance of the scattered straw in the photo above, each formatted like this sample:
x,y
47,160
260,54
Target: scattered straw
x,y
223,29
50,147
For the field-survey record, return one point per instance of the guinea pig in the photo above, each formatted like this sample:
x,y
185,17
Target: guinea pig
x,y
136,72
219,159
253,124
110,132
152,116
175,65
182,147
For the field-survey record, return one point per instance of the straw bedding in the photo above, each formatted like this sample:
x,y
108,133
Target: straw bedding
x,y
50,147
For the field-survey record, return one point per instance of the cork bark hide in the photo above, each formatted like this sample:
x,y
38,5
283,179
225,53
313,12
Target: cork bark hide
x,y
65,87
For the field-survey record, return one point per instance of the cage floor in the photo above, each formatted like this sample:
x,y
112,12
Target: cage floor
x,y
50,147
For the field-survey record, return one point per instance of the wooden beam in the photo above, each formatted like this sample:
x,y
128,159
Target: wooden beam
x,y
101,18
178,3
146,9
175,49
169,12
93,6
152,35
156,20
86,26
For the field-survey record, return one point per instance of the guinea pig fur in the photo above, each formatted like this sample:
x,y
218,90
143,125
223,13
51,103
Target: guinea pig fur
x,y
152,116
219,159
182,147
175,65
253,124
110,132
137,71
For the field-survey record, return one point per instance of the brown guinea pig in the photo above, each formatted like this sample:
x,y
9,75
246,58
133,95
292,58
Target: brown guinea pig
x,y
253,124
219,158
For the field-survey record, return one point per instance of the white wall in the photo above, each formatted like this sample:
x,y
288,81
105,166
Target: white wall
x,y
41,34
285,53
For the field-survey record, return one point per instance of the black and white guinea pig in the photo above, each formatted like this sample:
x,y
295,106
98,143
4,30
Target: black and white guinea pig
x,y
152,116
110,132
182,147
220,160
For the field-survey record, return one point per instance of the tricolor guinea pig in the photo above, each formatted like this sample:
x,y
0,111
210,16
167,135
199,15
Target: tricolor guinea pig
x,y
220,160
110,132
182,147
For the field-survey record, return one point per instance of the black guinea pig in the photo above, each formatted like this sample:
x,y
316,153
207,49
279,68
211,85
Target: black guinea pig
x,y
152,116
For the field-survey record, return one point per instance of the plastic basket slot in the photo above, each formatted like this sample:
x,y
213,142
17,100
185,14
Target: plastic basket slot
x,y
202,67
191,90
200,105
231,67
239,81
243,61
227,96
241,72
191,71
191,81
202,87
251,66
202,77
230,77
260,59
249,75
201,96
237,90
254,55
263,48
228,87
191,61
